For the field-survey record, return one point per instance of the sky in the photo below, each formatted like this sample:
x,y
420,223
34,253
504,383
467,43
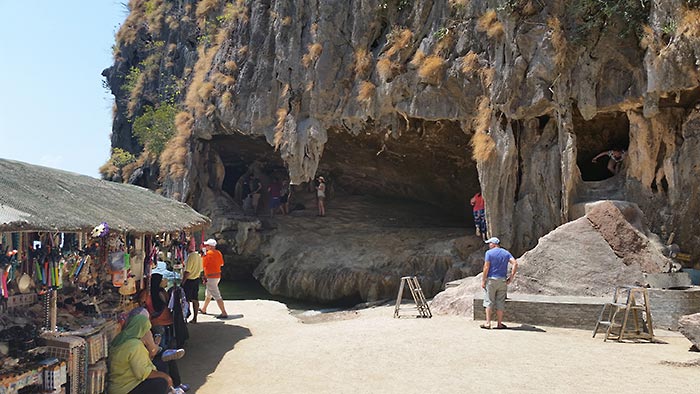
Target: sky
x,y
54,110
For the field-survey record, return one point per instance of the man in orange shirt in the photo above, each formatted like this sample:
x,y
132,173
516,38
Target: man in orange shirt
x,y
212,262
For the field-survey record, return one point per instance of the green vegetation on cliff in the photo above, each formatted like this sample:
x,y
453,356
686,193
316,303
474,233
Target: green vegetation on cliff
x,y
155,127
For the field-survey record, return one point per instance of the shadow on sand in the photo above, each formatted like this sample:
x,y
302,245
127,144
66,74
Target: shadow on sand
x,y
208,343
526,327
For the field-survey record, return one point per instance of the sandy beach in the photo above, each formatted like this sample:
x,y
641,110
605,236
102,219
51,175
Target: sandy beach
x,y
267,350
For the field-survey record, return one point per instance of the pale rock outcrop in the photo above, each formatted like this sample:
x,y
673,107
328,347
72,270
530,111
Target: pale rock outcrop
x,y
458,300
689,325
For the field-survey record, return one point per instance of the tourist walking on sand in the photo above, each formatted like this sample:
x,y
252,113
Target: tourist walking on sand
x,y
479,213
212,262
321,194
191,279
495,281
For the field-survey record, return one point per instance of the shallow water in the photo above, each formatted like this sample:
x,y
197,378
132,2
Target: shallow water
x,y
253,290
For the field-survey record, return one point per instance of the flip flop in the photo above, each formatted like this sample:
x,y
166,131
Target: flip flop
x,y
501,327
485,327
222,317
202,312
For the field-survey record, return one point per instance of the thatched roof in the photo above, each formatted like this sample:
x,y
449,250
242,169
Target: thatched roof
x,y
35,198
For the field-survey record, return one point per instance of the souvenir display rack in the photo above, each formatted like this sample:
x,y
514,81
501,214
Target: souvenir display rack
x,y
101,278
58,275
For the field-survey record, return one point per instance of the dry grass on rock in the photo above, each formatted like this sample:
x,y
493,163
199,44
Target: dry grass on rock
x,y
279,127
313,52
399,39
558,41
470,63
483,146
385,68
363,61
418,58
174,156
431,68
366,91
490,24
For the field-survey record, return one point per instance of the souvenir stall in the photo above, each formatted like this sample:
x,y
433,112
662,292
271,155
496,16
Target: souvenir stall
x,y
74,251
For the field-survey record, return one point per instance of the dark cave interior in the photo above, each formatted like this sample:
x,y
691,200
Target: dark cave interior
x,y
606,131
428,168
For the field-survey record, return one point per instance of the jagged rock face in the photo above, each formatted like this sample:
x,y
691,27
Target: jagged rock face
x,y
385,97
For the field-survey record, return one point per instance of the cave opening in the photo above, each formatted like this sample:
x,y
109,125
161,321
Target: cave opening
x,y
426,176
596,137
239,153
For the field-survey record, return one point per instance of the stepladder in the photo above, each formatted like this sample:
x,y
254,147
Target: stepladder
x,y
418,297
628,317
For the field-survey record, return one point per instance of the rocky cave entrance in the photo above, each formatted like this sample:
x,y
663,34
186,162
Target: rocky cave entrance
x,y
426,175
415,187
605,132
240,154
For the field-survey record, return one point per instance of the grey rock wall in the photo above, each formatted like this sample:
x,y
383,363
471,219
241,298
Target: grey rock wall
x,y
299,96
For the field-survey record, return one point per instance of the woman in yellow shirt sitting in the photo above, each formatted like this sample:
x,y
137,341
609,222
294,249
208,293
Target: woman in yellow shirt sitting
x,y
130,368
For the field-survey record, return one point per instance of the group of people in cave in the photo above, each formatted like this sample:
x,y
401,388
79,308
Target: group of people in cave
x,y
279,194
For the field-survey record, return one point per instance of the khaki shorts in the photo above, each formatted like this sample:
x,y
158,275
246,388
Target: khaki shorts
x,y
495,294
212,289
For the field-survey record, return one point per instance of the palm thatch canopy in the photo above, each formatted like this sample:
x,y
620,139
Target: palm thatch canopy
x,y
36,198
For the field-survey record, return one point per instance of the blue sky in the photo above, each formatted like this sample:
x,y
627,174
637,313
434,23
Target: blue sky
x,y
53,108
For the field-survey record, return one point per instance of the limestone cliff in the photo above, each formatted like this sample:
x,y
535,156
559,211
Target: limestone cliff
x,y
425,101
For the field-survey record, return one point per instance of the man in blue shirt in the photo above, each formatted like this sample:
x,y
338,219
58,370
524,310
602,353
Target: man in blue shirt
x,y
495,280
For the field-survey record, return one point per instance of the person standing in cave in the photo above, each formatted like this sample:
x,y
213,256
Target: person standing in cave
x,y
246,198
478,210
615,158
321,195
286,196
255,189
275,190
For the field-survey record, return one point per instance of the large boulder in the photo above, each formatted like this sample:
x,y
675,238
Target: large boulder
x,y
624,232
574,259
458,300
589,256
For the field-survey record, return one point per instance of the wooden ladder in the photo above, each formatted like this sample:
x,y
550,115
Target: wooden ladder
x,y
635,305
418,297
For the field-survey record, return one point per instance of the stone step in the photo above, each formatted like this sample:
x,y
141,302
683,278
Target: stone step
x,y
607,189
667,306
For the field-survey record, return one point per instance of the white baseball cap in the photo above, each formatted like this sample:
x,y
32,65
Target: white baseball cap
x,y
210,242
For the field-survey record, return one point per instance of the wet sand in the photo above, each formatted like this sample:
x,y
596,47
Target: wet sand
x,y
269,351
